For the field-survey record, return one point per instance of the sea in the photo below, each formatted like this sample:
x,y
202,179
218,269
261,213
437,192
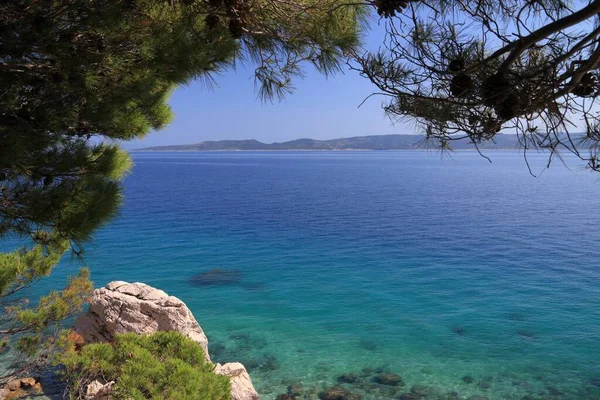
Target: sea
x,y
320,269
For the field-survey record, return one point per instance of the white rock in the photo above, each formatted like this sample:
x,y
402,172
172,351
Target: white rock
x,y
99,391
241,384
123,307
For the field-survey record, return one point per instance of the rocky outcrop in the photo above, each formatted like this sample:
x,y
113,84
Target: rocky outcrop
x,y
241,384
123,307
20,389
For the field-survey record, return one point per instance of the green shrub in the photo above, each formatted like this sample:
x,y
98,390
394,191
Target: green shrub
x,y
164,365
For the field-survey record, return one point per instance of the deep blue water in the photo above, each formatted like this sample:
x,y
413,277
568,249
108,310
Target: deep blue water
x,y
432,268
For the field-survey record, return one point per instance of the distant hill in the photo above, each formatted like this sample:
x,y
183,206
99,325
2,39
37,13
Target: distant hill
x,y
380,142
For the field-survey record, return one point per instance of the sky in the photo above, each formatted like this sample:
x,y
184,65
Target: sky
x,y
319,108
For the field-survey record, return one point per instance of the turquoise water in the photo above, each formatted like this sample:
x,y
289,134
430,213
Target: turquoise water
x,y
348,262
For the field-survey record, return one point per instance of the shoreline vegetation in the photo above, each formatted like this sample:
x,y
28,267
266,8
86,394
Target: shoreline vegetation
x,y
357,143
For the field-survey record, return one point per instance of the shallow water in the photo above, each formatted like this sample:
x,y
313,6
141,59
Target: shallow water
x,y
336,262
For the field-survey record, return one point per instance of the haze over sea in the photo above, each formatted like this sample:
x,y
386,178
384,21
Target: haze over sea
x,y
349,262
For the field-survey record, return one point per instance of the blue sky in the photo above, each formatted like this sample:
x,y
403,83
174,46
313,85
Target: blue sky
x,y
318,108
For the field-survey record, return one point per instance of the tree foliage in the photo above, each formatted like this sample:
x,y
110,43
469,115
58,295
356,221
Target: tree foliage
x,y
479,68
78,75
164,365
35,328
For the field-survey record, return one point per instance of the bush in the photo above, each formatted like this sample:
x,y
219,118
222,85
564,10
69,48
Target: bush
x,y
164,365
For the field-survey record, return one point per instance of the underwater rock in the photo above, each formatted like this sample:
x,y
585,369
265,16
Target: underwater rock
x,y
553,391
528,397
389,379
296,389
423,390
459,330
379,391
338,393
365,372
254,287
485,385
216,277
347,378
240,337
452,396
217,350
517,317
285,396
368,345
410,396
251,364
269,363
467,379
595,382
526,334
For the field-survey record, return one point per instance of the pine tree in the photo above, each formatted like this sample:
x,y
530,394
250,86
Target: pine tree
x,y
76,75
474,69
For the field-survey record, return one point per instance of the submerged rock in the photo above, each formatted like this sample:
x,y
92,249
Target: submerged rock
x,y
410,396
216,277
347,378
517,317
338,393
368,345
485,385
296,389
269,363
452,396
423,390
285,396
553,391
527,334
459,330
595,382
467,379
389,379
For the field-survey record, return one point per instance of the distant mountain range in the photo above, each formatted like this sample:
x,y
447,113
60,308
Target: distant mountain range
x,y
379,142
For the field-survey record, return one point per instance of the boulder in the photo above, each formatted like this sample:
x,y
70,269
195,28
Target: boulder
x,y
123,307
241,384
347,378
